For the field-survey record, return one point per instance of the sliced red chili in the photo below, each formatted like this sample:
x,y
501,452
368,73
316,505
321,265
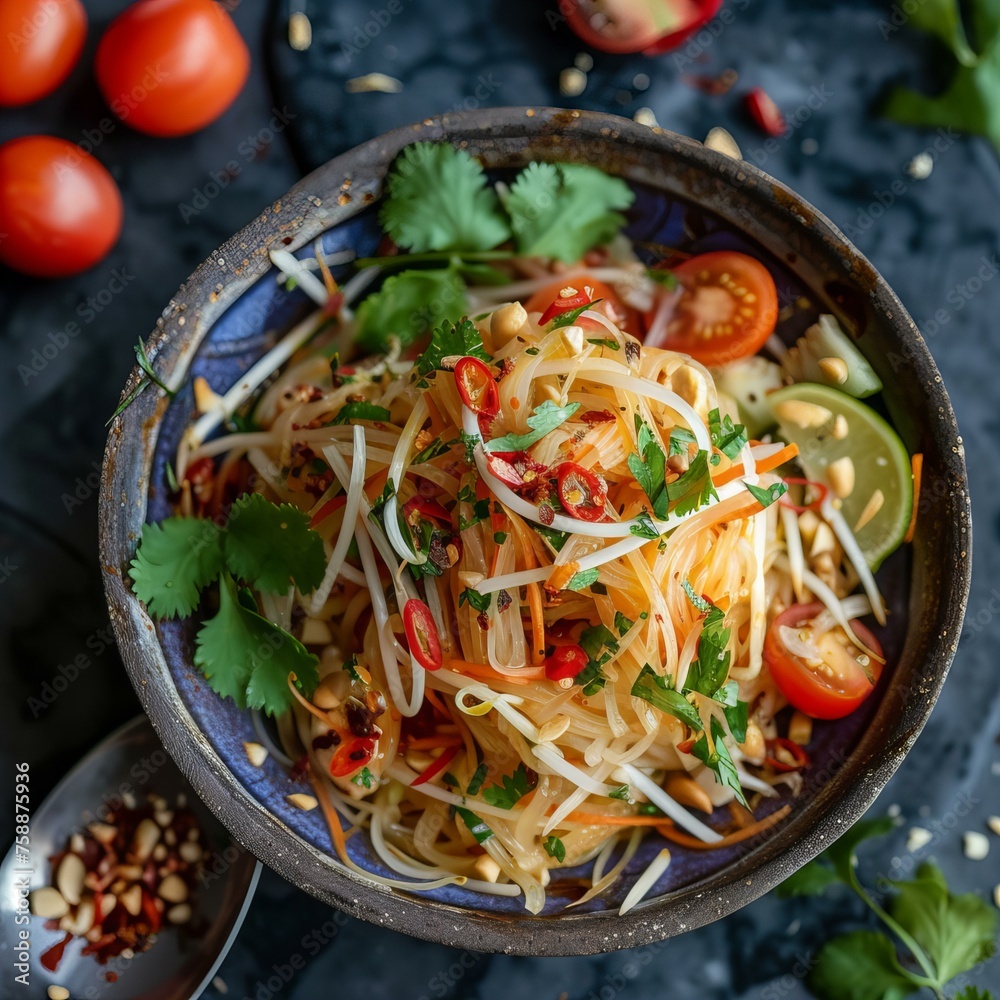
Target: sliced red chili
x,y
437,767
793,749
426,507
352,755
327,509
819,488
477,387
569,299
765,112
422,634
565,662
581,492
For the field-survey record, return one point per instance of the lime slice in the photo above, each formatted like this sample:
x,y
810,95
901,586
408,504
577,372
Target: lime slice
x,y
828,425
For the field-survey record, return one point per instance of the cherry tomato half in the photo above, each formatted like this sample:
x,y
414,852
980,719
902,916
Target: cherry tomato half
x,y
59,208
565,662
171,67
477,386
353,753
42,41
649,26
581,492
422,634
839,680
727,310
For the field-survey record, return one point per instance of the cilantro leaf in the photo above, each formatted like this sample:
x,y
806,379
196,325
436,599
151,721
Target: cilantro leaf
x,y
557,539
621,792
728,437
861,965
272,546
694,488
680,440
555,848
595,638
174,561
840,854
708,673
973,993
968,103
547,416
477,827
812,879
649,467
247,658
408,305
449,339
563,210
569,317
643,527
766,497
737,712
362,410
652,688
956,932
511,789
583,579
695,598
439,199
719,759
433,450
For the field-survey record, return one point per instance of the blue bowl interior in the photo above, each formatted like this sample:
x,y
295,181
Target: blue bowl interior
x,y
245,331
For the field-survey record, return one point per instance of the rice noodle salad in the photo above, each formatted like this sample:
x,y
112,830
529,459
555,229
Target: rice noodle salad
x,y
528,543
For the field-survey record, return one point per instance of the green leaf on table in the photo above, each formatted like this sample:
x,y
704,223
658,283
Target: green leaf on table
x,y
408,305
956,932
861,965
174,561
812,879
272,547
563,210
438,198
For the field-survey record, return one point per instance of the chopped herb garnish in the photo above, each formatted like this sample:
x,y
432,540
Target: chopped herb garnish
x,y
728,437
621,792
351,666
479,602
680,441
583,579
695,598
361,410
477,779
719,759
555,848
694,488
644,527
660,693
622,623
767,496
448,340
364,778
609,342
511,789
569,317
433,450
557,539
547,416
709,671
649,467
499,537
479,830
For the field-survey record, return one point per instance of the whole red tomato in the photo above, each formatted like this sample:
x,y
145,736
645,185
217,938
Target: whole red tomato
x,y
40,42
60,210
649,26
171,67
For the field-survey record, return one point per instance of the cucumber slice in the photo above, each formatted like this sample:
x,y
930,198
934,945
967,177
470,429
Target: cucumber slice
x,y
826,355
831,426
748,381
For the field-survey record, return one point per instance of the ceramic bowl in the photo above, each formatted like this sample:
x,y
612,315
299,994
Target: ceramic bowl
x,y
228,314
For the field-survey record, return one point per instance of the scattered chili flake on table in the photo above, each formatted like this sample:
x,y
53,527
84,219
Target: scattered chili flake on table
x,y
120,881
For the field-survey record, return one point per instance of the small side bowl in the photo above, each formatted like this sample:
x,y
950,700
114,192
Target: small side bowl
x,y
218,324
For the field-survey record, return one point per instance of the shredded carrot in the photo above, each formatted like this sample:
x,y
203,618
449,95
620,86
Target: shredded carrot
x,y
331,816
764,465
375,484
537,624
602,819
671,832
917,464
561,575
484,670
435,699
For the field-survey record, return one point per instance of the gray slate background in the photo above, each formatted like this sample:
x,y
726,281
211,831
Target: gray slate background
x,y
826,64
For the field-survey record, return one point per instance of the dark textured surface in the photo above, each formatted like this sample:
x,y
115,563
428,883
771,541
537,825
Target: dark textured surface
x,y
929,240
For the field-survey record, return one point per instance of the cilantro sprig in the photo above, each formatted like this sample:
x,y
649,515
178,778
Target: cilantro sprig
x,y
945,934
510,789
264,546
546,417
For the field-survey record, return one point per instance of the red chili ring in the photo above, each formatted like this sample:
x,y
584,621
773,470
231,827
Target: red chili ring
x,y
815,505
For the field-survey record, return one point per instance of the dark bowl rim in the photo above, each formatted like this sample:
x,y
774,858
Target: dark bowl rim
x,y
334,192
